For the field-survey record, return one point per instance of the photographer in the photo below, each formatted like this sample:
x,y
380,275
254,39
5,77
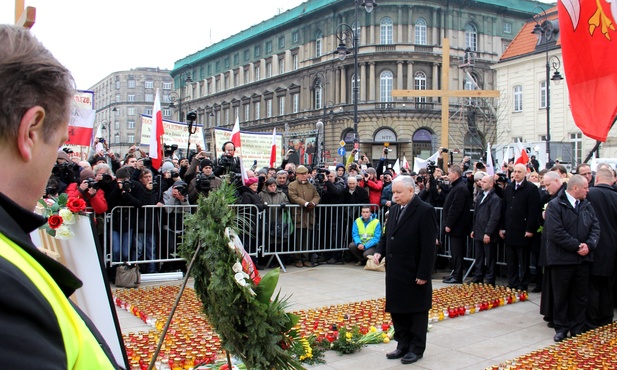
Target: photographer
x,y
123,220
174,199
192,169
65,171
204,182
228,164
374,186
88,190
331,218
436,187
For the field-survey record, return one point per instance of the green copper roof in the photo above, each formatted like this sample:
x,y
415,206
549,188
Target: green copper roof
x,y
311,6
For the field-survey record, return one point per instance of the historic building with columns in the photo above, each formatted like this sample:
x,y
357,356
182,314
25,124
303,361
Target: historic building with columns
x,y
285,73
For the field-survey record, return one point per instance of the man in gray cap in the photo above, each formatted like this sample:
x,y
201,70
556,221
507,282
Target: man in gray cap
x,y
304,194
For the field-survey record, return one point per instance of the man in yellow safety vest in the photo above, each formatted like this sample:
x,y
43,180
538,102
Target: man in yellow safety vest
x,y
365,233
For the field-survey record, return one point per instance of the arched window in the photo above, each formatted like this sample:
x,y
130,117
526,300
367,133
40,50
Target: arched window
x,y
471,37
317,89
318,37
420,31
420,84
385,86
385,31
423,141
353,84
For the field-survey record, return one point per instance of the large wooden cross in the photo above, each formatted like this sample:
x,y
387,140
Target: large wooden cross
x,y
24,17
445,93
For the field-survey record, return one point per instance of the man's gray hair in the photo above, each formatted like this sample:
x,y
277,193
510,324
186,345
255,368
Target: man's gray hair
x,y
406,180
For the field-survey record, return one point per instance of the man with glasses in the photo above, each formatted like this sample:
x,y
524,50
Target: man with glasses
x,y
584,170
227,162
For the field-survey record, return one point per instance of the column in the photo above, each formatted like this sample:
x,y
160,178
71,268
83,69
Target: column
x,y
399,34
343,84
371,81
337,86
399,75
435,80
410,81
362,83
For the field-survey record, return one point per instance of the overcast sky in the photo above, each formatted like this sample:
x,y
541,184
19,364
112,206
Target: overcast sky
x,y
95,38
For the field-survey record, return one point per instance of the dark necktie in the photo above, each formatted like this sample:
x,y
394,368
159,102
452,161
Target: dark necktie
x,y
576,203
400,214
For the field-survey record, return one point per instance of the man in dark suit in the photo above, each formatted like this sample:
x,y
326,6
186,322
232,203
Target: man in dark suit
x,y
486,231
603,198
572,233
519,218
457,221
409,245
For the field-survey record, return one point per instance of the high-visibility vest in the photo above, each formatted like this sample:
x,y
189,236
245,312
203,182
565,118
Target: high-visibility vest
x,y
366,234
82,349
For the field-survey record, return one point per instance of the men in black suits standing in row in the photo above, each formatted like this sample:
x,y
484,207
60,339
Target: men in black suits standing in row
x,y
409,247
519,217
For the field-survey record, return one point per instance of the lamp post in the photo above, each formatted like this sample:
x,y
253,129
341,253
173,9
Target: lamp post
x,y
346,31
547,32
317,159
114,110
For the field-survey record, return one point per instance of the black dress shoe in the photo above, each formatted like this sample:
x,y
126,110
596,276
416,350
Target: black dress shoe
x,y
397,353
477,281
410,358
537,289
559,337
452,280
550,324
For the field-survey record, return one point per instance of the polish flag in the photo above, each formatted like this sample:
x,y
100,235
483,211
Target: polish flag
x,y
81,127
235,134
523,159
490,169
273,149
156,133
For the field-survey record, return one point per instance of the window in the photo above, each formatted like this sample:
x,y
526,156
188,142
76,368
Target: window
x,y
268,47
518,98
385,86
247,55
131,97
130,138
282,42
217,67
268,108
247,112
471,37
148,111
577,143
130,111
227,116
257,77
543,94
296,102
117,85
226,82
236,113
117,98
420,84
118,112
257,111
236,78
353,85
166,112
318,44
281,105
117,139
149,97
295,37
149,84
507,27
166,85
420,31
268,69
227,63
295,62
130,124
117,125
131,84
318,96
257,51
281,66
385,31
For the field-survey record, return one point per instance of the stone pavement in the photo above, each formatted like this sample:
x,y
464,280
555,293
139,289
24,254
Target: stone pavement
x,y
473,341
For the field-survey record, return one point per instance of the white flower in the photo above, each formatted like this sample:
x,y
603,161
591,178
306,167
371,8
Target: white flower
x,y
237,267
231,246
67,216
64,233
240,278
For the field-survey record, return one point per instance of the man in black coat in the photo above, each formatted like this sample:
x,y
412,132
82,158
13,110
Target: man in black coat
x,y
409,247
457,221
486,231
603,198
572,233
519,217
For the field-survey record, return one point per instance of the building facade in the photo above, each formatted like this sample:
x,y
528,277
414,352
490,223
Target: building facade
x,y
283,73
521,78
121,98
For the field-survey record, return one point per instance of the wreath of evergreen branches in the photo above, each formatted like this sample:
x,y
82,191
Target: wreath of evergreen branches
x,y
252,326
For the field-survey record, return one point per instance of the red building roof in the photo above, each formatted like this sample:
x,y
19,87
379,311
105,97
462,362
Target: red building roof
x,y
525,41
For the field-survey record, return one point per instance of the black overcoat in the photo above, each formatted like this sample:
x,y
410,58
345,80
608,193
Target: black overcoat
x,y
457,209
486,216
409,249
520,211
603,198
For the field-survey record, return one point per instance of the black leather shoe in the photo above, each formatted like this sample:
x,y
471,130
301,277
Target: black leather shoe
x,y
410,358
397,353
550,324
477,281
451,280
537,289
559,337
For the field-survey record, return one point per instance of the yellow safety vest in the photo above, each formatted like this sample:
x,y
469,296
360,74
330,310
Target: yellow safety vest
x,y
82,349
366,234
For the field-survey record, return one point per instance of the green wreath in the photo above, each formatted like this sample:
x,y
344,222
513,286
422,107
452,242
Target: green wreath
x,y
252,326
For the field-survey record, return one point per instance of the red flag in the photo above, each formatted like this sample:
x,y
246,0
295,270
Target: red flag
x,y
524,158
156,133
273,149
235,134
587,35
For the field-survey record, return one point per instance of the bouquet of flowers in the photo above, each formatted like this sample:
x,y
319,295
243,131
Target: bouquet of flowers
x,y
61,212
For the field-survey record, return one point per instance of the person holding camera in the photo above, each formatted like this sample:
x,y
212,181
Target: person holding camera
x,y
228,164
124,219
374,186
204,182
175,200
88,190
436,187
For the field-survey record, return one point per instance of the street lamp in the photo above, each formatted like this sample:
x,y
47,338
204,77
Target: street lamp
x,y
174,97
547,31
318,157
346,32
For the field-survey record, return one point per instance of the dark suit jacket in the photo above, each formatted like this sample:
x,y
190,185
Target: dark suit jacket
x,y
486,217
519,212
409,249
457,209
359,196
603,198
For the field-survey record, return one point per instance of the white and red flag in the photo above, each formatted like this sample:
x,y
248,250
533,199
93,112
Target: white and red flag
x,y
156,133
235,134
81,127
273,149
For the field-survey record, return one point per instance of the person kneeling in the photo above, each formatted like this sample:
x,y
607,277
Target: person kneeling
x,y
366,234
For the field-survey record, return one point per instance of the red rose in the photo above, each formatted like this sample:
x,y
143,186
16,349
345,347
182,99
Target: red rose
x,y
54,221
76,205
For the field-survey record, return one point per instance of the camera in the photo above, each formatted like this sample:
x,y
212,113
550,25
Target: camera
x,y
444,150
92,184
147,162
101,140
191,116
320,177
386,151
127,185
66,172
203,182
170,149
183,190
502,177
430,167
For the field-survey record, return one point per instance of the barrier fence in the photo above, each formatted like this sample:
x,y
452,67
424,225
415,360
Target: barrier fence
x,y
151,235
